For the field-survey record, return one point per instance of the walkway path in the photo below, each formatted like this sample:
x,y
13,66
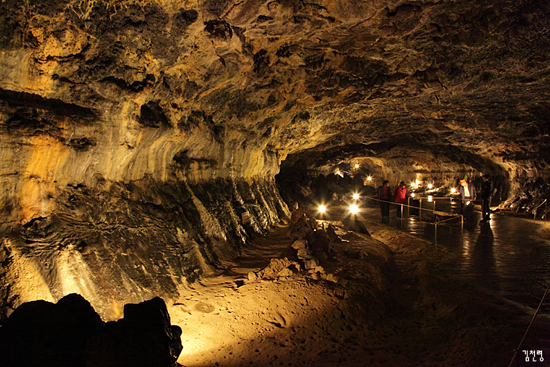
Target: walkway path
x,y
508,255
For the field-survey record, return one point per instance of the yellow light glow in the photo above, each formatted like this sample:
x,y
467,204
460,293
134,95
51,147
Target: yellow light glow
x,y
356,196
322,209
413,195
467,203
453,190
369,178
354,209
414,184
430,186
430,198
356,166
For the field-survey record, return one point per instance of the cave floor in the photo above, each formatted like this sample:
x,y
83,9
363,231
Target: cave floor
x,y
390,303
509,255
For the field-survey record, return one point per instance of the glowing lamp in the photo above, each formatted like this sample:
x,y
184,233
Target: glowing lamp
x,y
356,196
467,203
322,209
453,190
413,195
430,186
430,198
369,178
356,166
354,209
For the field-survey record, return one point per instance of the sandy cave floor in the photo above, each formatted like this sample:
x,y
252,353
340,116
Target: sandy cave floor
x,y
377,301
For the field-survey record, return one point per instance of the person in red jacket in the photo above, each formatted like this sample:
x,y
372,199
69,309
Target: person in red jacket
x,y
400,197
384,195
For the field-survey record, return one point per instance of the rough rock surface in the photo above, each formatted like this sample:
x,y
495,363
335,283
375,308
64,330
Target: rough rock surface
x,y
139,139
71,333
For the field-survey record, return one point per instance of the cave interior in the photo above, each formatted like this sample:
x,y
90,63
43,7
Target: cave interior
x,y
149,146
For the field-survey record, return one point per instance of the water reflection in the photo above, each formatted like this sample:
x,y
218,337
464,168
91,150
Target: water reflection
x,y
506,255
482,261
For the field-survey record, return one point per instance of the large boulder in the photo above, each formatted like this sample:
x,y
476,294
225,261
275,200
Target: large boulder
x,y
41,333
143,338
70,333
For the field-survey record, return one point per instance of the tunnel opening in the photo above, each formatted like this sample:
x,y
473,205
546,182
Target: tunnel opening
x,y
320,176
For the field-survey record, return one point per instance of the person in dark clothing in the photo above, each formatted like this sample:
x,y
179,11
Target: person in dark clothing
x,y
486,191
384,195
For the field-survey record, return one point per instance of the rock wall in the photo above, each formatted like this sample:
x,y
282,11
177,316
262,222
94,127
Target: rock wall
x,y
116,243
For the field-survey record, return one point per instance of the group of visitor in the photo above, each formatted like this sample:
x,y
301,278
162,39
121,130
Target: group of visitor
x,y
385,196
466,189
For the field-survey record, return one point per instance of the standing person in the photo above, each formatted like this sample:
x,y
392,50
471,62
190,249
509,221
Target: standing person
x,y
400,197
468,194
486,191
384,195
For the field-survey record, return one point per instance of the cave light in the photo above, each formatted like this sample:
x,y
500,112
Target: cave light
x,y
453,190
414,185
322,209
356,166
430,198
340,173
356,196
369,178
430,186
354,209
413,195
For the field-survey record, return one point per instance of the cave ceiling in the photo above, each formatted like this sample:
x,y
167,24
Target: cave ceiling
x,y
237,87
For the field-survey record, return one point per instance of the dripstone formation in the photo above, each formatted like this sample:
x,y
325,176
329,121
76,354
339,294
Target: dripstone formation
x,y
140,139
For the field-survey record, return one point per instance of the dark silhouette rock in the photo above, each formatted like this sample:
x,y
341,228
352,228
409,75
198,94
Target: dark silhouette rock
x,y
356,225
143,338
70,333
41,333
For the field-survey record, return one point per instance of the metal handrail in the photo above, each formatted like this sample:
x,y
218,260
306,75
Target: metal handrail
x,y
411,206
535,210
540,204
454,215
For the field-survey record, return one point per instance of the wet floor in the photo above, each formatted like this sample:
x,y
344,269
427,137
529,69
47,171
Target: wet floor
x,y
508,255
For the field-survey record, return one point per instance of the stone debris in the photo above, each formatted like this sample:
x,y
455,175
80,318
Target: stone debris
x,y
277,268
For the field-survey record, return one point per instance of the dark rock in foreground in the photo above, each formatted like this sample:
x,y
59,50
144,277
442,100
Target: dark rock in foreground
x,y
71,333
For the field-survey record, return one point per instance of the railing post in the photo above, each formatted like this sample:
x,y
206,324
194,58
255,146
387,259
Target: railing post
x,y
420,211
435,241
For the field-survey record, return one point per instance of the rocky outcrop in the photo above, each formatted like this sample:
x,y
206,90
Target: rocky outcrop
x,y
71,333
118,243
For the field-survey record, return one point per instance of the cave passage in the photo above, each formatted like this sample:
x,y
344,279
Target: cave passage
x,y
181,151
